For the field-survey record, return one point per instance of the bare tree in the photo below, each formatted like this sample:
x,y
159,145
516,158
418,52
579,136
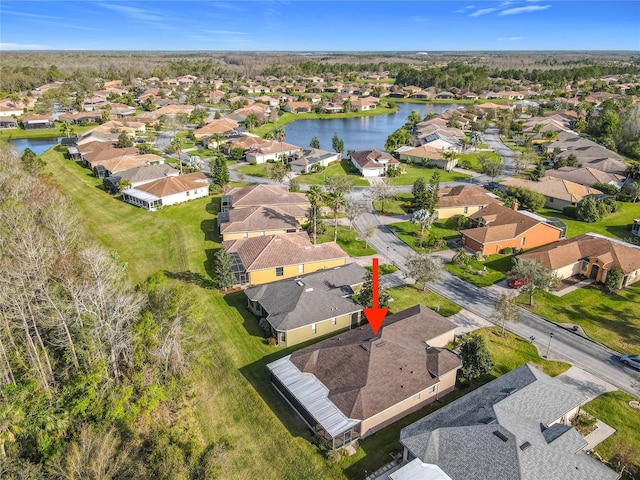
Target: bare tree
x,y
506,310
382,191
352,210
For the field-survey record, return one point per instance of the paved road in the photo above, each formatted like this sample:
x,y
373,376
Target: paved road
x,y
492,137
565,345
163,141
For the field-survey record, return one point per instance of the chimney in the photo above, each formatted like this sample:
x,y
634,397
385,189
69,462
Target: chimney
x,y
514,207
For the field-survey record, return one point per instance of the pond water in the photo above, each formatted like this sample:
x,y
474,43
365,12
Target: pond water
x,y
361,133
38,145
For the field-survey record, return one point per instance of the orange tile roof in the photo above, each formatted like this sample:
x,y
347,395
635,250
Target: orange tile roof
x,y
172,185
463,195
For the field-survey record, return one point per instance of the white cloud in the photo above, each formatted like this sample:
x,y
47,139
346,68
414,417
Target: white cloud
x,y
139,14
510,39
527,9
225,32
23,46
419,19
464,9
482,11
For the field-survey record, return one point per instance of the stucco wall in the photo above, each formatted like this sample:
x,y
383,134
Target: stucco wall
x,y
258,277
414,402
556,203
541,234
183,197
305,333
569,270
449,212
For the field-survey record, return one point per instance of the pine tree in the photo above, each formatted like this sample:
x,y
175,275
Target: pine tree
x,y
476,360
223,269
419,192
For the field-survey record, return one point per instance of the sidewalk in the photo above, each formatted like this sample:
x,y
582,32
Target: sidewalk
x,y
575,286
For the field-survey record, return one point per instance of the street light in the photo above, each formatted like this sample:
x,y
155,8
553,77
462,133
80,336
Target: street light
x,y
549,345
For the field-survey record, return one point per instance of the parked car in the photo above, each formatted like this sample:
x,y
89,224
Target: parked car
x,y
491,186
631,360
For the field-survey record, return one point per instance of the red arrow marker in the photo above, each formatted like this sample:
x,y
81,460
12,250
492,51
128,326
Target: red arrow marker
x,y
375,315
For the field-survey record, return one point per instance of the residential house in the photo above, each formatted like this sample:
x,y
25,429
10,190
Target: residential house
x,y
219,126
516,427
445,96
96,155
469,96
270,150
37,121
113,166
309,306
463,200
297,107
269,258
8,122
352,385
589,153
81,117
305,159
496,227
331,107
139,176
586,176
591,255
259,221
373,163
440,141
558,192
168,191
262,195
426,155
273,102
362,104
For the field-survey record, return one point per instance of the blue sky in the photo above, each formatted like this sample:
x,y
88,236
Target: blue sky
x,y
301,25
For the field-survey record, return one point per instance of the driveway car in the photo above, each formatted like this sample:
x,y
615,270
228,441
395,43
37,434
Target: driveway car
x,y
631,360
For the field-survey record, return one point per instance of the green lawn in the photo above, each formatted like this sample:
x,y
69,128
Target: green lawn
x,y
16,133
399,205
410,234
616,225
258,170
413,172
408,295
472,160
236,400
348,240
614,410
496,267
612,320
384,269
343,168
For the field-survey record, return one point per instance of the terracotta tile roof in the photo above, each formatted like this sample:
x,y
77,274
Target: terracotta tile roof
x,y
464,195
373,159
221,125
501,223
262,218
96,156
584,176
244,141
172,185
272,251
590,245
273,146
554,188
127,162
35,118
366,374
425,151
257,195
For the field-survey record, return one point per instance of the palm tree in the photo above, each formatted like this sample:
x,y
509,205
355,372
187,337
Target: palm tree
x,y
279,134
633,170
175,143
10,419
336,201
314,194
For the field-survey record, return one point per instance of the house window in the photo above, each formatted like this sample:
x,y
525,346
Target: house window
x,y
550,200
313,328
188,192
466,209
584,266
522,240
245,234
333,320
416,397
283,337
279,271
432,389
301,268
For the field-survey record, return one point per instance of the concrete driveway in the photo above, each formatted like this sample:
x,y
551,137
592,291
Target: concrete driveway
x,y
587,384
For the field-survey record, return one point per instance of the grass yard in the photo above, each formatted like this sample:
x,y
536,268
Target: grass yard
x,y
16,133
612,320
258,170
613,409
236,400
399,205
348,240
470,161
496,267
410,234
343,168
384,269
616,225
413,172
408,295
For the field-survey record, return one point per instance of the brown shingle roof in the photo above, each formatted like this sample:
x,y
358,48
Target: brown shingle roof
x,y
373,159
463,195
366,374
569,251
584,176
172,185
265,195
262,218
272,251
104,154
554,188
501,223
